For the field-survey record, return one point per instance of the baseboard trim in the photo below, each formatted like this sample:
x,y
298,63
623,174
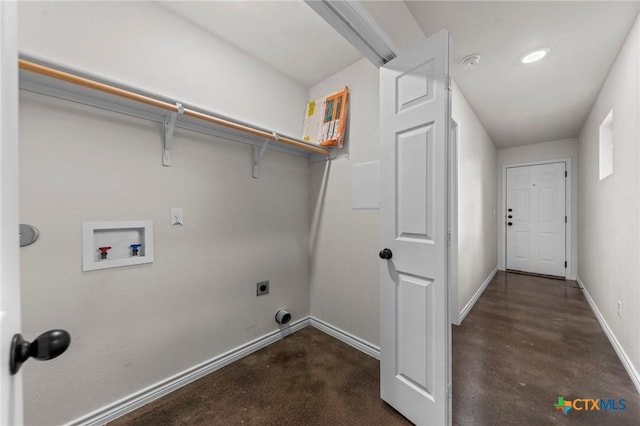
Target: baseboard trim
x,y
348,338
145,396
476,296
624,358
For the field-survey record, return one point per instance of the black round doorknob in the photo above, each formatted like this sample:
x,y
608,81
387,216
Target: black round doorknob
x,y
509,223
47,346
385,254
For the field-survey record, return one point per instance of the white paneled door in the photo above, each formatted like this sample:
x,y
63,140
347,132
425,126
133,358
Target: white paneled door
x,y
415,330
536,219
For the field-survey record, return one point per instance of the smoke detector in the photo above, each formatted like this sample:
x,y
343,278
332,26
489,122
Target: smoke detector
x,y
470,61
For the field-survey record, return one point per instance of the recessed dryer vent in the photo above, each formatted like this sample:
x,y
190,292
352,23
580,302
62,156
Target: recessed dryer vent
x,y
114,244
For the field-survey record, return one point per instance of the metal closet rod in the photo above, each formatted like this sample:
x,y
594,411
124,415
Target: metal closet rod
x,y
81,81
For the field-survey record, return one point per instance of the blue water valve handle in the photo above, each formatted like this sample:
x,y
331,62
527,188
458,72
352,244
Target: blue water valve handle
x,y
135,248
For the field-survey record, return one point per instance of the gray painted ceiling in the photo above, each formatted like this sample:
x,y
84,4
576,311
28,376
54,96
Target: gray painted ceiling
x,y
517,104
549,100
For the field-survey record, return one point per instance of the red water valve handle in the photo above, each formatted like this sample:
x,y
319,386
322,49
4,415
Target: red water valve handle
x,y
103,251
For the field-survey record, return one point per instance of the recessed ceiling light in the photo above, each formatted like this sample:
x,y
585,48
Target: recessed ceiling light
x,y
534,56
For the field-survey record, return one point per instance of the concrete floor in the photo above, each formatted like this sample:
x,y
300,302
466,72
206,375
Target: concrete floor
x,y
308,378
526,342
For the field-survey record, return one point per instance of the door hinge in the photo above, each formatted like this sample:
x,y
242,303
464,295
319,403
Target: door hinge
x,y
566,173
448,237
565,263
565,219
449,393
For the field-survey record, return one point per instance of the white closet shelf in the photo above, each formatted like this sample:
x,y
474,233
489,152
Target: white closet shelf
x,y
60,82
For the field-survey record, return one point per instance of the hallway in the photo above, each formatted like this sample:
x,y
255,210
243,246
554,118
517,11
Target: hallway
x,y
528,341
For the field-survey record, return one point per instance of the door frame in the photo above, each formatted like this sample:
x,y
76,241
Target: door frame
x,y
567,208
452,195
11,408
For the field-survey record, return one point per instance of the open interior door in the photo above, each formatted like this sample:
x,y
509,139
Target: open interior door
x,y
10,385
415,331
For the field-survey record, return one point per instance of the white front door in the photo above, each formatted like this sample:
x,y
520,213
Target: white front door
x,y
536,219
415,330
10,386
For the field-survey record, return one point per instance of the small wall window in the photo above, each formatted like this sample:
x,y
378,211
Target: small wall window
x,y
606,146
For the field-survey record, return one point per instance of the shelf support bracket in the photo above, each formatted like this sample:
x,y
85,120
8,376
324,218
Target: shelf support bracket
x,y
169,124
257,154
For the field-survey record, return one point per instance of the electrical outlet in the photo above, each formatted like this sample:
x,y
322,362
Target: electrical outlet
x,y
619,309
177,216
262,288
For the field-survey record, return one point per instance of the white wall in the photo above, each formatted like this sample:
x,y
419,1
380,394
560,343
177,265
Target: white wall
x,y
609,210
545,151
146,46
344,242
476,201
132,327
